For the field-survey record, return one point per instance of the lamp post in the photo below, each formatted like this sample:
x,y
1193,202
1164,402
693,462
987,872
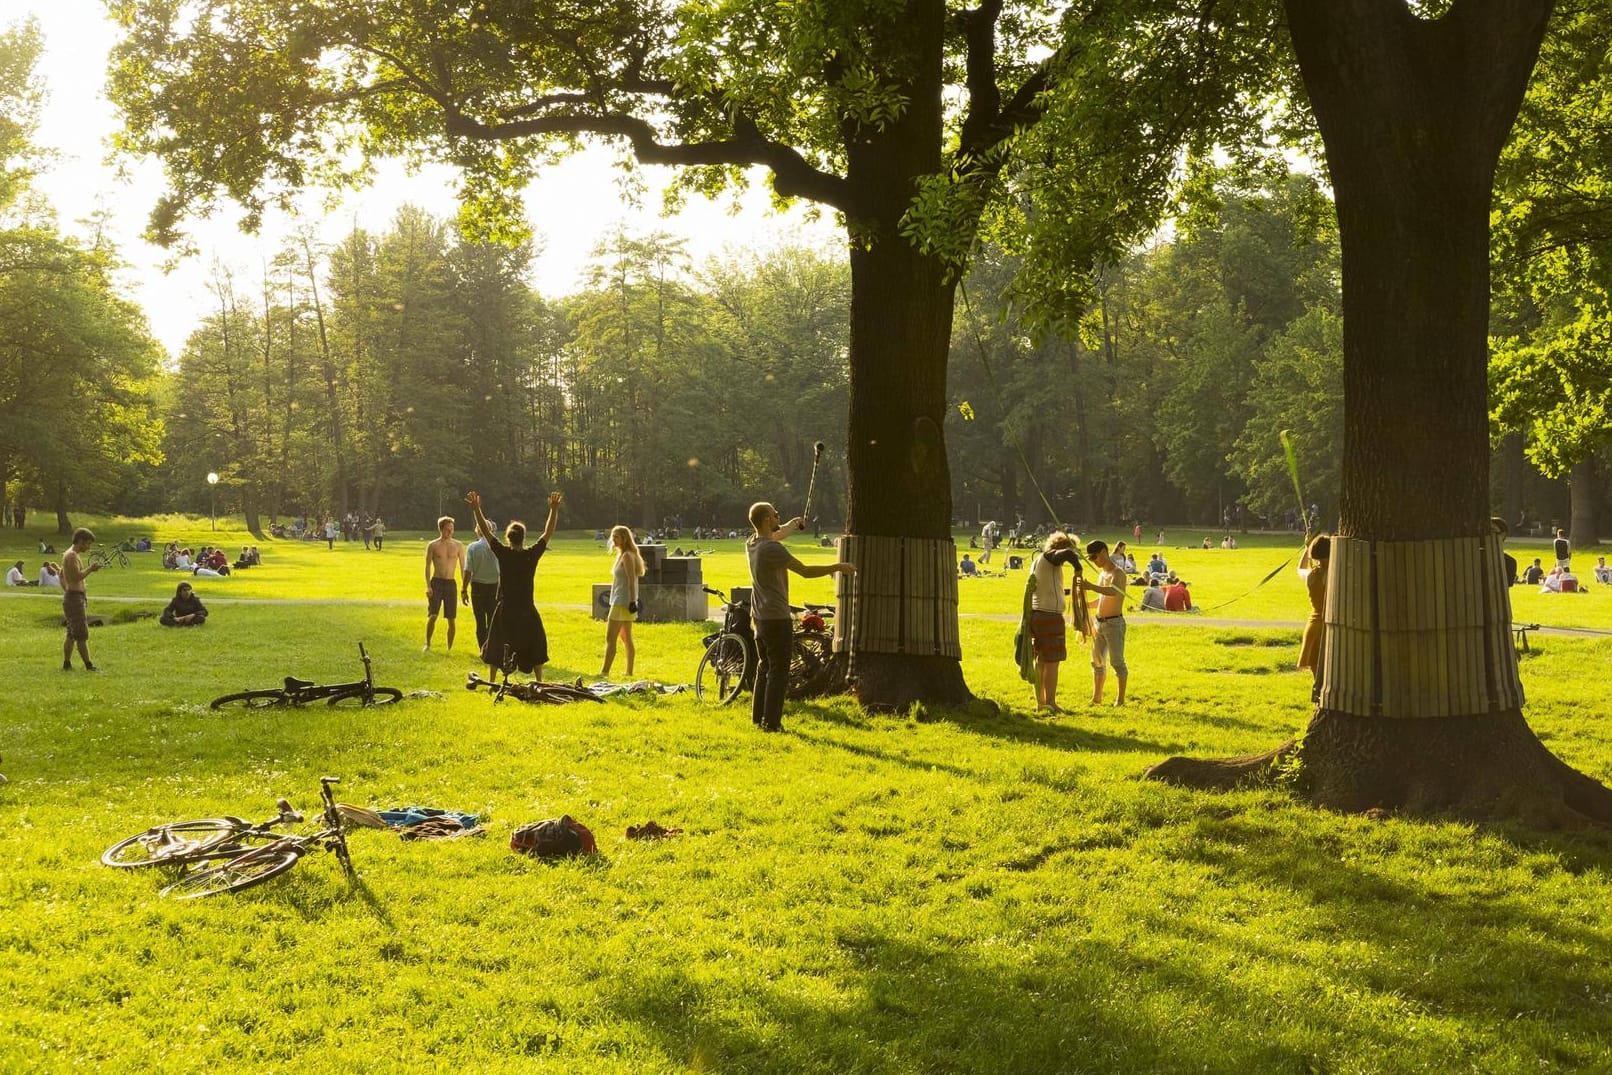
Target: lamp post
x,y
212,489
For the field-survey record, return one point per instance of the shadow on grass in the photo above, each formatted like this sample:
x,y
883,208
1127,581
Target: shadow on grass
x,y
900,1004
1368,971
1473,951
1064,732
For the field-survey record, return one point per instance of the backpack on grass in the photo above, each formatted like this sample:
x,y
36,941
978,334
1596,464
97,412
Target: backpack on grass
x,y
556,837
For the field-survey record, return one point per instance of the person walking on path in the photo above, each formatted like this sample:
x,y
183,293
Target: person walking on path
x,y
1047,635
770,564
480,586
624,575
75,600
443,557
515,637
1313,567
1108,638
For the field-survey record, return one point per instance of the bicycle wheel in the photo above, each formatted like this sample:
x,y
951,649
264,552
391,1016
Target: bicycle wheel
x,y
244,871
173,843
250,700
378,696
804,666
722,670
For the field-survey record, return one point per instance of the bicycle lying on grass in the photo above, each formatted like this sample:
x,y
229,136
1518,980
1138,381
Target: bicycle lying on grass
x,y
550,693
240,854
362,692
729,663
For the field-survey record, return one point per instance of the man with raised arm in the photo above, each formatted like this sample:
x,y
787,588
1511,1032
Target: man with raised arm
x,y
479,589
770,564
443,557
75,600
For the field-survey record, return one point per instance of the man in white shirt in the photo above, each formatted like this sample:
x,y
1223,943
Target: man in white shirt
x,y
14,577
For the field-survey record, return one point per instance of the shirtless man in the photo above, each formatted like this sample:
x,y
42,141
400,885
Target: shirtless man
x,y
442,557
75,600
1108,643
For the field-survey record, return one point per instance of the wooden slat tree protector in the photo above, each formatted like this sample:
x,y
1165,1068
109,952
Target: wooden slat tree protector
x,y
1409,629
902,597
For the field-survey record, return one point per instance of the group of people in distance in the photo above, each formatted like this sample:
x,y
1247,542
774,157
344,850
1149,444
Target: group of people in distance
x,y
50,576
499,576
497,583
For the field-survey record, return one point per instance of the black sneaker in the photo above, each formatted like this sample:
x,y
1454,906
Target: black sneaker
x,y
67,666
91,668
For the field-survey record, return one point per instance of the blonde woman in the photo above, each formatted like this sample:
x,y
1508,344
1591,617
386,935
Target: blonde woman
x,y
624,576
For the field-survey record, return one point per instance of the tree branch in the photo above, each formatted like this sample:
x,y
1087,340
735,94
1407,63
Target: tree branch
x,y
793,175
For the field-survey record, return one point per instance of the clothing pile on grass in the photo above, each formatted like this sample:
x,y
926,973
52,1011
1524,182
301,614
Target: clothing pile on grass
x,y
416,822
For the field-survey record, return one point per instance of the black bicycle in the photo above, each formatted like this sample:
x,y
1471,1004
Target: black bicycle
x,y
241,854
730,659
110,556
361,692
550,693
256,865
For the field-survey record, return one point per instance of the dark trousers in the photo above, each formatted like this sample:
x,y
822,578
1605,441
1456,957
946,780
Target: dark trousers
x,y
772,673
483,599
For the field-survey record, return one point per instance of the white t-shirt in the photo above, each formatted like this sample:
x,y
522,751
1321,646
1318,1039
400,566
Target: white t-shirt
x,y
14,576
47,579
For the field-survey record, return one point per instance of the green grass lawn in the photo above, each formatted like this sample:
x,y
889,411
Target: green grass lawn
x,y
932,892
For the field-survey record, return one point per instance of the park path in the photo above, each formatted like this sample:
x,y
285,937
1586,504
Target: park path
x,y
1158,619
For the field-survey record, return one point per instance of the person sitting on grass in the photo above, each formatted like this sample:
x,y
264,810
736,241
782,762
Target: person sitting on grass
x,y
968,567
185,610
1603,574
50,575
14,577
1177,598
1153,596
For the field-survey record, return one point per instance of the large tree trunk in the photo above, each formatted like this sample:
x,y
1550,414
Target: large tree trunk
x,y
1414,114
901,317
1581,489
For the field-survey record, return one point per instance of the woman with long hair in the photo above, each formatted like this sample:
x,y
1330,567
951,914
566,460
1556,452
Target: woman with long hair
x,y
515,637
624,576
1313,566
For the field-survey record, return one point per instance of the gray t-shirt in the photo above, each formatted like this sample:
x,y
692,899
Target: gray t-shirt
x,y
770,562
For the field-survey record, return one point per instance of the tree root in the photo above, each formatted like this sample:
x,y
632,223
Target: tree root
x,y
1222,774
1484,767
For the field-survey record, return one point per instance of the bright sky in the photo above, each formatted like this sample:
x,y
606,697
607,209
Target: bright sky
x,y
572,206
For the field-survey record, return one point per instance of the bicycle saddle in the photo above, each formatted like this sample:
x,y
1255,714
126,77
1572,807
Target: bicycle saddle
x,y
292,683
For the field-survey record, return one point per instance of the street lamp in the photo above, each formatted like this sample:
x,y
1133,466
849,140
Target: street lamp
x,y
212,489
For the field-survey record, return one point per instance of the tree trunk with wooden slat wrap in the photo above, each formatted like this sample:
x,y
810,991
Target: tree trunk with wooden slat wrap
x,y
1414,113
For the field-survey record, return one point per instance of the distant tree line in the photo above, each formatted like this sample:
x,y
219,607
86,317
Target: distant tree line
x,y
390,372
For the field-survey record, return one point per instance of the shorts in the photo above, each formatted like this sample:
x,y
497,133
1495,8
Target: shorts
x,y
443,594
1108,644
1047,636
74,610
619,614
